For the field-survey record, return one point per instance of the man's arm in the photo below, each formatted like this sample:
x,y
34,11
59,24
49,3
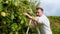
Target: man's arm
x,y
36,19
31,17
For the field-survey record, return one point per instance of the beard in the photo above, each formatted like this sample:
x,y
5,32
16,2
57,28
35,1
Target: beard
x,y
37,15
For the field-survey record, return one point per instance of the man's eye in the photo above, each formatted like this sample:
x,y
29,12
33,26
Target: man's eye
x,y
37,12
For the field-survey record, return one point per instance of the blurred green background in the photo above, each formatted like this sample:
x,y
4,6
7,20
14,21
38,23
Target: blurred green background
x,y
55,24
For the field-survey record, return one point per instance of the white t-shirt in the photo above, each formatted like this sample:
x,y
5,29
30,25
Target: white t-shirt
x,y
44,25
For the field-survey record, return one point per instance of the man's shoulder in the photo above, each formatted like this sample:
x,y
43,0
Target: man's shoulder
x,y
44,18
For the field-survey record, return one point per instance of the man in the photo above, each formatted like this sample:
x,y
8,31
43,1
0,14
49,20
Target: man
x,y
41,20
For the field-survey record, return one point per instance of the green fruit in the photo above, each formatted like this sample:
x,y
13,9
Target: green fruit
x,y
7,2
15,4
3,14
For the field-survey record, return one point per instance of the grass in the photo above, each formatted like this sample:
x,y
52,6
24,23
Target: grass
x,y
55,24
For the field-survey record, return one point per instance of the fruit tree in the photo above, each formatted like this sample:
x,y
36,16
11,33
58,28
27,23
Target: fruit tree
x,y
12,20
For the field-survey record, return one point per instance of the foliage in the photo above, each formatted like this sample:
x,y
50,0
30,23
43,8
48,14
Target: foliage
x,y
12,20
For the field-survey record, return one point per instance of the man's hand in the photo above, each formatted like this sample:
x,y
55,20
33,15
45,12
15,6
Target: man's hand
x,y
26,14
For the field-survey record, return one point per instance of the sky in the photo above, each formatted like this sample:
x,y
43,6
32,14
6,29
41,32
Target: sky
x,y
51,7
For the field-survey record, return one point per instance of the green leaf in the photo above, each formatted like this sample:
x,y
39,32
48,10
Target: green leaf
x,y
1,1
1,7
30,11
14,26
16,32
11,33
12,16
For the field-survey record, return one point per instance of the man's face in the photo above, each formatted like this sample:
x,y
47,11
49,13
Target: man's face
x,y
39,12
